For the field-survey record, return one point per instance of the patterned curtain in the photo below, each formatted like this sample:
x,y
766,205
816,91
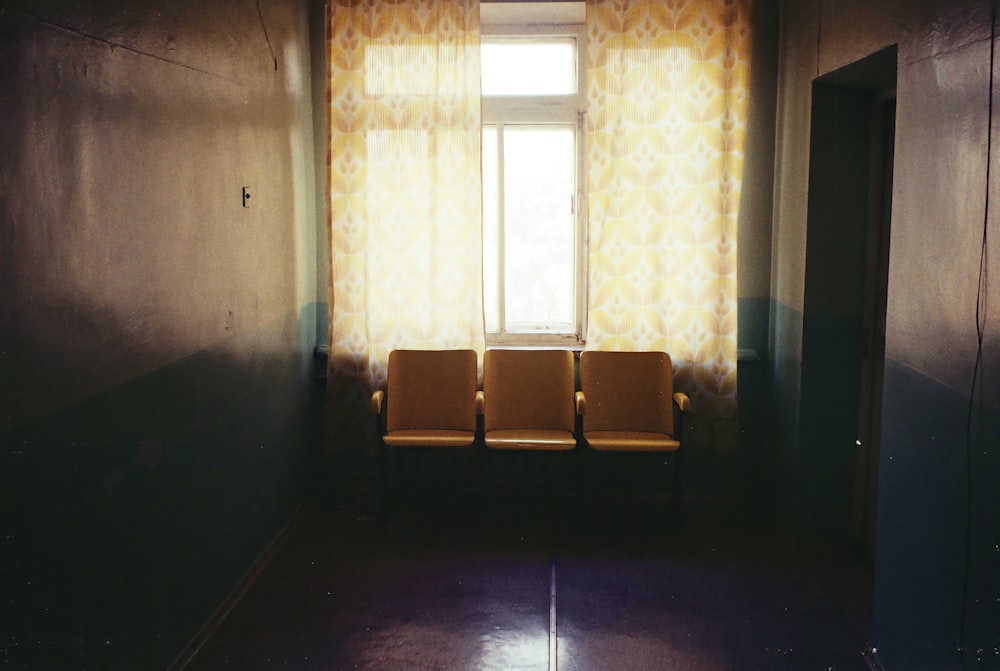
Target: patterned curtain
x,y
667,87
405,189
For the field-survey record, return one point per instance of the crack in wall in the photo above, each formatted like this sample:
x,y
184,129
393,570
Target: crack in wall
x,y
125,47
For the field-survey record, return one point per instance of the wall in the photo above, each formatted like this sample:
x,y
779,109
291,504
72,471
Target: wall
x,y
753,267
156,409
937,599
321,148
756,202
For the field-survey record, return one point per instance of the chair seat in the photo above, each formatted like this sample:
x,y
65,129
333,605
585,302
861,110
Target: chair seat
x,y
530,439
429,438
631,441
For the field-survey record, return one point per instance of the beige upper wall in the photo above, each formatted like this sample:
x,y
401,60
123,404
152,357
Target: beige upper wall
x,y
321,147
939,203
129,131
817,38
853,29
940,164
756,203
796,70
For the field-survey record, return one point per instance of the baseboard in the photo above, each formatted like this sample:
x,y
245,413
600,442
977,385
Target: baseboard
x,y
222,612
870,655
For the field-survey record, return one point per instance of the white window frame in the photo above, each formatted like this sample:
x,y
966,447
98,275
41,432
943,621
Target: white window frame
x,y
515,21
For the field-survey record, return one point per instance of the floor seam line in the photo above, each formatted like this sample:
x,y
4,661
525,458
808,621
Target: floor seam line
x,y
553,631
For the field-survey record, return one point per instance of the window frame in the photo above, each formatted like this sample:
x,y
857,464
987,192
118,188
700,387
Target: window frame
x,y
539,111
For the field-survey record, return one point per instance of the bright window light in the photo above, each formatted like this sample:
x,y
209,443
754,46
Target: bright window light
x,y
491,228
532,240
528,66
539,231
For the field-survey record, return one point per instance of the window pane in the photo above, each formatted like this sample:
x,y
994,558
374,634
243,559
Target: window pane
x,y
539,228
524,67
491,230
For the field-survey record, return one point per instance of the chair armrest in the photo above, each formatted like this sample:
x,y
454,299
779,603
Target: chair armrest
x,y
377,399
581,403
480,402
682,401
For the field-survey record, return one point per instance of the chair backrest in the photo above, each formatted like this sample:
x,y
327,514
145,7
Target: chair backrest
x,y
627,391
431,389
528,389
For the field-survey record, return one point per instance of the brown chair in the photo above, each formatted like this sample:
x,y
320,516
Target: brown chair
x,y
430,405
628,404
528,400
430,399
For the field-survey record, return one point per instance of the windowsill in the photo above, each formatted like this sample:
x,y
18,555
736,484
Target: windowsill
x,y
323,351
539,340
742,354
573,347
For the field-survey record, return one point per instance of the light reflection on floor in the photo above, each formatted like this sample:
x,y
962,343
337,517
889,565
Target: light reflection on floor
x,y
514,650
641,651
424,593
394,647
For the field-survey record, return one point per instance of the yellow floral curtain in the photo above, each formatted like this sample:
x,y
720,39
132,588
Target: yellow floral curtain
x,y
667,95
405,187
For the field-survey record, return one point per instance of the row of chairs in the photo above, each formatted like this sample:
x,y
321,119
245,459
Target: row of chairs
x,y
530,401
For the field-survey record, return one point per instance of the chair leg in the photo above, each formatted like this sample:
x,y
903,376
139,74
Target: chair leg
x,y
577,484
678,481
383,483
577,473
477,480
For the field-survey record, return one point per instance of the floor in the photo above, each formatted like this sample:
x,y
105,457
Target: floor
x,y
513,579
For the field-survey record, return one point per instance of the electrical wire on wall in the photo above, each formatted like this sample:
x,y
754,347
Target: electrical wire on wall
x,y
267,37
982,289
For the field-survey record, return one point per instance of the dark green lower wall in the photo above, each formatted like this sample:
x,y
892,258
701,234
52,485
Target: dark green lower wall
x,y
784,381
755,402
926,608
932,610
137,512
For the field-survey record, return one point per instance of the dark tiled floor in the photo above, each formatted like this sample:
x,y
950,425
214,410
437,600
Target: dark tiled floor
x,y
445,584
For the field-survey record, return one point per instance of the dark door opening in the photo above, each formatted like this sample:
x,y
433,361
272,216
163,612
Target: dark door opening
x,y
874,321
843,326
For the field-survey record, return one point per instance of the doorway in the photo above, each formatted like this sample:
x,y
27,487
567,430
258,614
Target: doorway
x,y
874,321
843,334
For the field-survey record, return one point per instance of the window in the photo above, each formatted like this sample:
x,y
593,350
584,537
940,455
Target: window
x,y
533,228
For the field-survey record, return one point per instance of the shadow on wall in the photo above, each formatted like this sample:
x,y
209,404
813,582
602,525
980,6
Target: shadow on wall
x,y
350,420
926,500
140,509
128,133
